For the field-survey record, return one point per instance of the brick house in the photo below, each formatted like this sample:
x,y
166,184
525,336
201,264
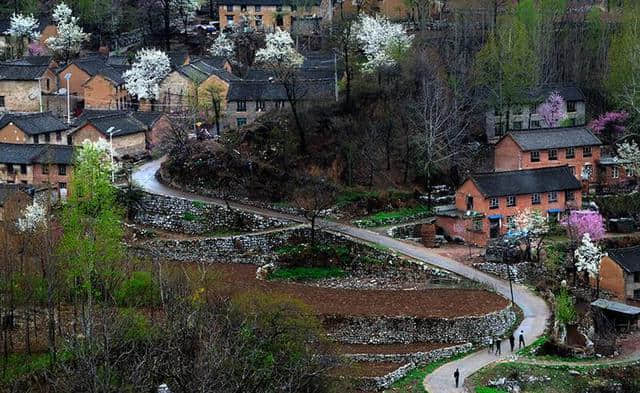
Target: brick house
x,y
576,147
620,272
21,87
36,164
177,90
268,14
486,202
523,116
134,132
613,175
106,90
38,127
81,71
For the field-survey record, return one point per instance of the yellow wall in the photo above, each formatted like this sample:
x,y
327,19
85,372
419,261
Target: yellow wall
x,y
268,14
101,93
12,134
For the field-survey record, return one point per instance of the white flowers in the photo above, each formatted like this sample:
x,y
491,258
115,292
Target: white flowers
x,y
629,153
23,26
151,67
381,41
34,217
588,256
223,46
279,51
70,36
531,223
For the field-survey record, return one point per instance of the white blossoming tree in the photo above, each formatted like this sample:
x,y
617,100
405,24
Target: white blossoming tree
x,y
223,46
149,69
21,28
70,36
531,226
283,60
588,257
382,42
35,216
629,154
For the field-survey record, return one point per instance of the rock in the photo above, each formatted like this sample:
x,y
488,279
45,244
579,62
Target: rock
x,y
263,271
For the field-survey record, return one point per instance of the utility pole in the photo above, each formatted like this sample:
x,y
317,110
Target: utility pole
x,y
67,76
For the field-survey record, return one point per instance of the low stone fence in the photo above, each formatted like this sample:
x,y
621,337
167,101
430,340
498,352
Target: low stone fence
x,y
367,223
407,329
520,272
421,358
199,218
418,358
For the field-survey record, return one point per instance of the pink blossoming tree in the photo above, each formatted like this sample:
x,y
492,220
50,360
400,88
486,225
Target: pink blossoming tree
x,y
581,222
552,110
610,126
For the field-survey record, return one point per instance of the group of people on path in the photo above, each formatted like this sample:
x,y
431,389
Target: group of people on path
x,y
495,347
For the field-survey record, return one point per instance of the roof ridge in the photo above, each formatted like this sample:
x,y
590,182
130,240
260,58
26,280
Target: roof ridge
x,y
522,170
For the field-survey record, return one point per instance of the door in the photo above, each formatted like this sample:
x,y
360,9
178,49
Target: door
x,y
494,227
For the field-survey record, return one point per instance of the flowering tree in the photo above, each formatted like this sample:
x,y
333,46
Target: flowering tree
x,y
223,46
151,67
610,126
35,216
382,42
280,57
183,13
531,226
552,110
581,222
68,41
629,154
22,27
588,257
36,49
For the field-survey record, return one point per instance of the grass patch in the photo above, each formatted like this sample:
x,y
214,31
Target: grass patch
x,y
531,349
199,204
20,365
393,216
306,273
189,216
485,389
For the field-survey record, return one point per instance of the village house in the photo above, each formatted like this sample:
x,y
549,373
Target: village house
x,y
620,272
36,164
486,203
22,86
106,90
32,128
614,174
576,147
177,92
266,15
524,116
134,133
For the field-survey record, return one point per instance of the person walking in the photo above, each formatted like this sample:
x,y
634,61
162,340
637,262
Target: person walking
x,y
498,350
512,342
456,376
521,339
490,345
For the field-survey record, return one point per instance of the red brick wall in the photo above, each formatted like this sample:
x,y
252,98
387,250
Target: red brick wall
x,y
159,129
612,278
53,177
507,155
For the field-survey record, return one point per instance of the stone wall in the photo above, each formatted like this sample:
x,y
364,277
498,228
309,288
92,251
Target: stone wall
x,y
520,272
419,358
407,329
199,218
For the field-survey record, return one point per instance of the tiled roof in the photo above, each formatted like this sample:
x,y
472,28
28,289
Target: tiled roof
x,y
628,258
21,72
12,153
200,70
213,61
260,2
177,57
529,181
554,138
569,93
148,118
618,307
33,123
257,73
91,65
32,60
125,123
251,90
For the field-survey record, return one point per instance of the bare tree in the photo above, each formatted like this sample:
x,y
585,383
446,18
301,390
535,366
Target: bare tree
x,y
314,200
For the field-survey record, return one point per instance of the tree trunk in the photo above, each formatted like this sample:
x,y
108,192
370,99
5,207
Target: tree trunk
x,y
167,25
301,132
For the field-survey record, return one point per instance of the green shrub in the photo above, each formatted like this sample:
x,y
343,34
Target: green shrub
x,y
317,255
139,290
565,309
189,216
199,204
485,389
388,217
306,273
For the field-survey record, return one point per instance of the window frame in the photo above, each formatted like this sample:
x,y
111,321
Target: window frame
x,y
536,199
535,156
10,169
260,105
229,8
535,123
241,106
552,154
569,196
572,150
572,106
258,8
494,203
2,102
615,172
586,151
517,125
552,196
45,169
23,169
511,200
62,170
241,121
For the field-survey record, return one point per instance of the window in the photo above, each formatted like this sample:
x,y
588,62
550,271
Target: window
x,y
476,224
571,152
553,196
569,196
499,129
36,139
469,202
553,154
535,123
47,138
23,182
587,171
10,181
62,170
258,20
58,136
636,294
630,171
572,169
615,172
243,8
279,103
586,151
241,121
279,20
494,203
511,200
69,140
230,20
535,199
258,8
45,169
511,222
1,101
535,156
259,106
571,106
636,277
517,125
23,169
229,9
62,186
10,169
48,84
241,106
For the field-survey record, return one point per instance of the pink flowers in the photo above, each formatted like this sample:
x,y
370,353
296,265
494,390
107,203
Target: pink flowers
x,y
552,110
580,222
610,122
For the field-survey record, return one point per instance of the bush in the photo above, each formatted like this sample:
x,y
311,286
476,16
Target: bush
x,y
139,290
565,309
189,216
306,255
306,273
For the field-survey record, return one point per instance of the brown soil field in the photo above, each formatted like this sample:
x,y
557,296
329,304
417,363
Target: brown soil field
x,y
366,369
442,303
391,348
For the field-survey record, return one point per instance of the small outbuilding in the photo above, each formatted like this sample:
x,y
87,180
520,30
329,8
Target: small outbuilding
x,y
623,316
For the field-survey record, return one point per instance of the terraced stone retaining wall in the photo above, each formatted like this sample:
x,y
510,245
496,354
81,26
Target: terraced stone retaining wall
x,y
417,358
198,218
520,272
407,329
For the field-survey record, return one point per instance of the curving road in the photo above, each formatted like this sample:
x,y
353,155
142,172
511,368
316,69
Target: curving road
x,y
535,310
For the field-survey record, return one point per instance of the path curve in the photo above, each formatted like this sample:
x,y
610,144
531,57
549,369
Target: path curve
x,y
535,310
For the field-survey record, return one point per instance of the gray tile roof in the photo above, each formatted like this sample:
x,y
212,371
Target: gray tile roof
x,y
554,138
529,181
13,153
251,90
21,72
200,70
260,2
628,258
618,307
33,123
125,122
32,60
213,61
91,65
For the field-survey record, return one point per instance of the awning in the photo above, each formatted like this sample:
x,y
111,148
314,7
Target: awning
x,y
495,217
555,210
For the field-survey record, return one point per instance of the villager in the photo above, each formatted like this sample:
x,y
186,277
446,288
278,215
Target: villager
x,y
490,344
521,339
512,341
456,376
498,349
